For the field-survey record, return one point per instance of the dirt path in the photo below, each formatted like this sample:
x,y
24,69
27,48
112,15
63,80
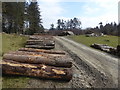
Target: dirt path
x,y
102,62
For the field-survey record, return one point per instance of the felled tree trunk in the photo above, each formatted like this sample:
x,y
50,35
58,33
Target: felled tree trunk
x,y
47,55
40,40
34,40
39,59
41,43
40,71
41,37
39,47
44,51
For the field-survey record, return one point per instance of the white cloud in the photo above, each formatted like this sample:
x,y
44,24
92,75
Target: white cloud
x,y
52,11
90,10
108,10
94,21
119,12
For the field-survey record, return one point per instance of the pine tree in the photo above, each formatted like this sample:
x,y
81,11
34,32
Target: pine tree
x,y
35,25
16,14
13,17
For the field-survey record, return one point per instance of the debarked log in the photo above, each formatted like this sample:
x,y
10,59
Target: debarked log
x,y
35,70
44,51
39,47
39,59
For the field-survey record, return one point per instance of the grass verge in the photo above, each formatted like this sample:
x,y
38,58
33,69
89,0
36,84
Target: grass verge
x,y
12,42
110,40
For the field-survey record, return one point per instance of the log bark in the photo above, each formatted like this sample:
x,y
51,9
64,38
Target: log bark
x,y
44,51
39,47
32,41
41,43
41,38
33,70
101,46
50,56
39,59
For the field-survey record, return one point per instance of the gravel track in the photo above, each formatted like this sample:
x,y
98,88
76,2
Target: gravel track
x,y
84,75
104,66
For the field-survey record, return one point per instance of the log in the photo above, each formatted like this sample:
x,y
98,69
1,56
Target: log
x,y
51,56
103,47
39,47
33,70
40,50
41,38
41,43
51,41
34,40
40,59
97,46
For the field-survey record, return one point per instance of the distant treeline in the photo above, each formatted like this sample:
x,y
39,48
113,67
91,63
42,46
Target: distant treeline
x,y
21,18
71,24
108,29
74,26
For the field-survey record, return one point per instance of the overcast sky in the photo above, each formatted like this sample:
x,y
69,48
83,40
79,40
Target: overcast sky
x,y
89,12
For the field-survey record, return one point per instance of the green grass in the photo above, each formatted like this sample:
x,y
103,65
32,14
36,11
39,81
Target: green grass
x,y
11,42
110,40
14,81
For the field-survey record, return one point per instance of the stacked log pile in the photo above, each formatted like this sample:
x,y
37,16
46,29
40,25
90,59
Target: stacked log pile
x,y
38,58
46,64
41,42
106,48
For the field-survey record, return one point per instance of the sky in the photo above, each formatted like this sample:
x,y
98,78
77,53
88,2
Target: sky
x,y
89,12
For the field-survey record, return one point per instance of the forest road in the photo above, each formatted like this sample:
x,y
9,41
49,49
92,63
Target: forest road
x,y
103,62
